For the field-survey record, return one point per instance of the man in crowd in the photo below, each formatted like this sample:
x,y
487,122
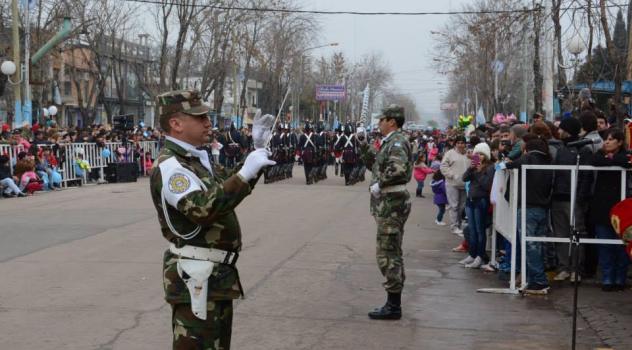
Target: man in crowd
x,y
195,202
390,205
569,130
516,132
454,164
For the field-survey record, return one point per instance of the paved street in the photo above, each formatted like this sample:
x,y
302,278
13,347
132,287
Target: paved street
x,y
82,270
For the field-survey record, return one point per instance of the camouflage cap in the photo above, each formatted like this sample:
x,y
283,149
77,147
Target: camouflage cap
x,y
185,101
392,111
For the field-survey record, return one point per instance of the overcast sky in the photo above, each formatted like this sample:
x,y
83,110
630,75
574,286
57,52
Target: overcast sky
x,y
404,41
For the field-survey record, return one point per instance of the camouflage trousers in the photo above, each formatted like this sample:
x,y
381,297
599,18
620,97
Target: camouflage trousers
x,y
192,333
390,232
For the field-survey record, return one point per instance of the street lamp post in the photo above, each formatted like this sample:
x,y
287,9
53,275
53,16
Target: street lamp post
x,y
575,47
300,90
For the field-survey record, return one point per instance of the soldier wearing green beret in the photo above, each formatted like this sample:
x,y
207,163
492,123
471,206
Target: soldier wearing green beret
x,y
390,205
195,201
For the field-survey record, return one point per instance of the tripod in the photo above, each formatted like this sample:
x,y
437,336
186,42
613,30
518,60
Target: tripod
x,y
575,249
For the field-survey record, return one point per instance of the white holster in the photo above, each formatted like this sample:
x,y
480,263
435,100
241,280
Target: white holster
x,y
199,272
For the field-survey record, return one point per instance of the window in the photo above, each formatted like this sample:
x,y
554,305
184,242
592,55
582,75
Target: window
x,y
67,88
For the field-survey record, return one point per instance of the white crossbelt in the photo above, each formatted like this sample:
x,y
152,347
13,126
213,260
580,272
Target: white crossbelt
x,y
391,189
209,254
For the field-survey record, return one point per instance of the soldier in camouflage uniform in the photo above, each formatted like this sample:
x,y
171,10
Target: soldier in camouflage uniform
x,y
195,201
390,205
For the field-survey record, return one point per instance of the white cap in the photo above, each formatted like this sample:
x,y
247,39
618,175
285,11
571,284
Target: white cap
x,y
483,148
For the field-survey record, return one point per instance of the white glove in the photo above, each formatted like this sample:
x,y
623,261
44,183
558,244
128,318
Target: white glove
x,y
256,160
375,190
262,129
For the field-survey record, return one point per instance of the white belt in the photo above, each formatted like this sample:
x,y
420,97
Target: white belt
x,y
209,254
390,189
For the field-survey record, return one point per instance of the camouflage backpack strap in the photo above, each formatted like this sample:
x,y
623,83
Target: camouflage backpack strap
x,y
177,182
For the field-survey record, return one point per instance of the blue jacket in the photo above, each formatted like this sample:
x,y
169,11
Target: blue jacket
x,y
438,188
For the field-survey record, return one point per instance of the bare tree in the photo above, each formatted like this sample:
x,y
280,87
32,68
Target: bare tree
x,y
185,10
615,58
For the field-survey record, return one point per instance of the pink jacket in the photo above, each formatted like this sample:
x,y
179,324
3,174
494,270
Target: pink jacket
x,y
432,153
27,177
420,172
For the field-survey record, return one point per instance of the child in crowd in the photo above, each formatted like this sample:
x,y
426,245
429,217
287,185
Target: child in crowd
x,y
82,167
420,172
29,181
149,163
436,162
440,198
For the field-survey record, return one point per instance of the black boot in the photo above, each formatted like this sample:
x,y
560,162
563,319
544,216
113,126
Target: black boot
x,y
392,310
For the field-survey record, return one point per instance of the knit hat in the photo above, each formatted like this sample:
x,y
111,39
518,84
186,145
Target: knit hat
x,y
483,148
571,126
435,166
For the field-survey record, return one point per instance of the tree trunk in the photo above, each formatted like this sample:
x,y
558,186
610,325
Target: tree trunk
x,y
591,36
537,70
167,7
185,14
249,52
561,75
614,56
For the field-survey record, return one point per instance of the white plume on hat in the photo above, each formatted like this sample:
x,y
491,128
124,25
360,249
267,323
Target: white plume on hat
x,y
483,148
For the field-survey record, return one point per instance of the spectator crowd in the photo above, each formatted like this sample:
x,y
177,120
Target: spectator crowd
x,y
462,165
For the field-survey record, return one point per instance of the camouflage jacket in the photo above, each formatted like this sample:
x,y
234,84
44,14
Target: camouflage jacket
x,y
212,210
390,166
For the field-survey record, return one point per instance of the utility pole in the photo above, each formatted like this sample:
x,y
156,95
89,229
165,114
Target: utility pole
x,y
524,111
547,71
27,114
17,88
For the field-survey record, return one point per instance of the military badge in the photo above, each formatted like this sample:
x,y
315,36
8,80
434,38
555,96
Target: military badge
x,y
179,183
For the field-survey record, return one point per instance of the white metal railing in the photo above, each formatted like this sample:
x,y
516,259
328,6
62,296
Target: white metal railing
x,y
504,222
523,208
94,154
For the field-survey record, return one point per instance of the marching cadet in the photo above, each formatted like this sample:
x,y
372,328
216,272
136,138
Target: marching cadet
x,y
308,149
286,140
231,147
272,174
337,149
360,166
322,142
348,152
390,205
195,201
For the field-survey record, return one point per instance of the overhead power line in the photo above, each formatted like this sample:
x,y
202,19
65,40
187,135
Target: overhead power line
x,y
357,13
319,12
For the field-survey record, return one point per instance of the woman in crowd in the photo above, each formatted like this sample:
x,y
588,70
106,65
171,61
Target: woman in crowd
x,y
480,176
10,189
613,260
536,152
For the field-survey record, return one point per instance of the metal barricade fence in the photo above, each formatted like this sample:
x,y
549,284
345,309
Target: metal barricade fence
x,y
147,148
505,223
523,208
93,154
12,151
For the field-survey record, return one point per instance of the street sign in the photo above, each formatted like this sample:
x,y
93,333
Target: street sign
x,y
451,106
330,92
